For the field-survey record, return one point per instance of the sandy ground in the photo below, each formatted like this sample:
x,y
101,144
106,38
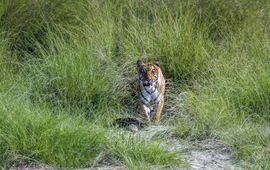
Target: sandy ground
x,y
208,154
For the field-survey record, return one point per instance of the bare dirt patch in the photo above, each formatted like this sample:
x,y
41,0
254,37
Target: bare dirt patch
x,y
207,154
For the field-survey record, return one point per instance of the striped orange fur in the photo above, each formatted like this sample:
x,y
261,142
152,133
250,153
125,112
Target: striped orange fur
x,y
151,85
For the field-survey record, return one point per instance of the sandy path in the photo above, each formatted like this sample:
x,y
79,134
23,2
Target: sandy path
x,y
208,154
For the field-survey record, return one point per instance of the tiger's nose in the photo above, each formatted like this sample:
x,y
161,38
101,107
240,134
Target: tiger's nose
x,y
148,82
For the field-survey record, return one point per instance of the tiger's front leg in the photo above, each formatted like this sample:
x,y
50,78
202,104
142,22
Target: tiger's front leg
x,y
145,111
158,110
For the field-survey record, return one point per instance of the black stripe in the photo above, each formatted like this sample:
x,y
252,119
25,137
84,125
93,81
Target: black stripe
x,y
148,91
144,102
144,98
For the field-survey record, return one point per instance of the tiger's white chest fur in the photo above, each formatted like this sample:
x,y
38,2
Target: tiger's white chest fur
x,y
149,94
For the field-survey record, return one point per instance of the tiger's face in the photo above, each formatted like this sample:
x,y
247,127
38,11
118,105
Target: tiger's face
x,y
148,73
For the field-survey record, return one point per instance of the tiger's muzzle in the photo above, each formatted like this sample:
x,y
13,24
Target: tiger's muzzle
x,y
148,83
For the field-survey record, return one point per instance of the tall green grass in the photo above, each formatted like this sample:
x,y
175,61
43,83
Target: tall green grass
x,y
74,76
31,135
235,98
67,69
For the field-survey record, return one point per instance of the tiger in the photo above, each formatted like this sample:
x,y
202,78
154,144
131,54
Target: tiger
x,y
151,89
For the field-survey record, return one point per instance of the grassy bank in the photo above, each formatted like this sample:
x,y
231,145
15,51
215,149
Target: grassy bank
x,y
66,70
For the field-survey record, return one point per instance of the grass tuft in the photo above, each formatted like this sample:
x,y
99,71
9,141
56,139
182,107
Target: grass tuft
x,y
133,151
35,135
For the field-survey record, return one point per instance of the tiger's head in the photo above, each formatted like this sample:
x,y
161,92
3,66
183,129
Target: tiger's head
x,y
148,73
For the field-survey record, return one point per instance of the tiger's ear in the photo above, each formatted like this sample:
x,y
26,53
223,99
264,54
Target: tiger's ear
x,y
139,63
157,63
